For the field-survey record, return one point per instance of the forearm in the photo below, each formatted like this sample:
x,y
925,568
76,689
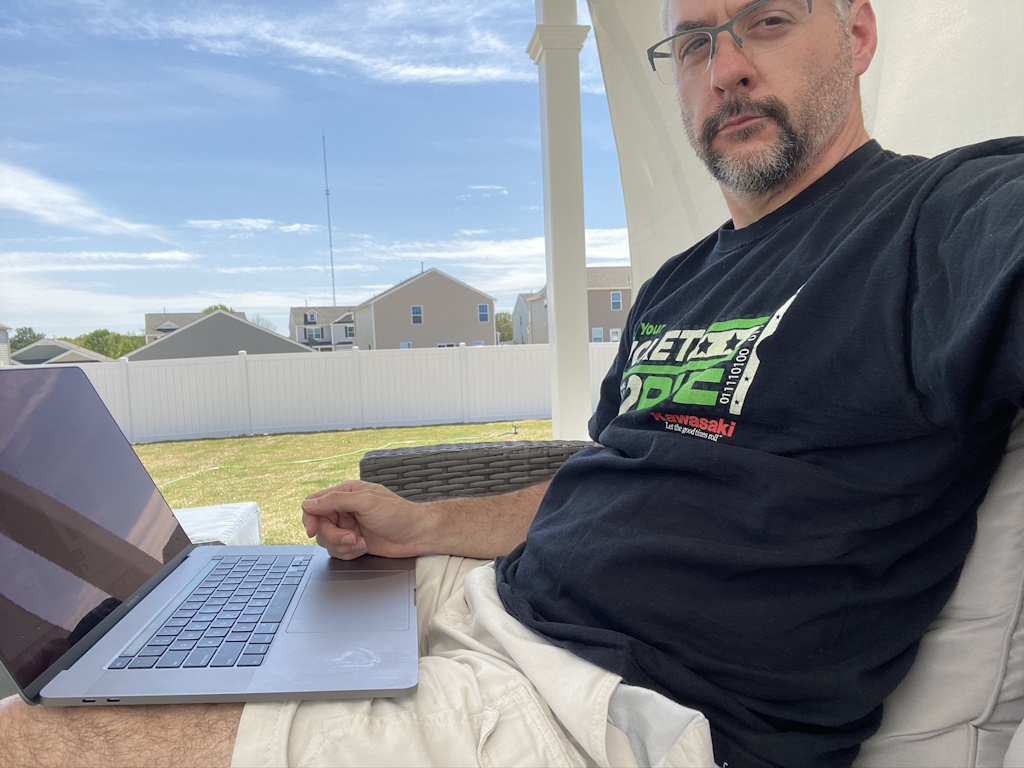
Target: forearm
x,y
482,526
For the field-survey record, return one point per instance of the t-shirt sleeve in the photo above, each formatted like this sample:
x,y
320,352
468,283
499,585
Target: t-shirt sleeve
x,y
966,302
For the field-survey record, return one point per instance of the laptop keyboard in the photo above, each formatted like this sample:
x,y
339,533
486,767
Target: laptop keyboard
x,y
229,619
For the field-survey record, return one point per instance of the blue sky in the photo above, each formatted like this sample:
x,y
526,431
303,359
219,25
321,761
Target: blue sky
x,y
167,155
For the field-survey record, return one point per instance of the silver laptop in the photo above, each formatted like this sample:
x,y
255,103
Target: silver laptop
x,y
103,600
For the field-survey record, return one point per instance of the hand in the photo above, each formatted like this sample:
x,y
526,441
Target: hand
x,y
357,518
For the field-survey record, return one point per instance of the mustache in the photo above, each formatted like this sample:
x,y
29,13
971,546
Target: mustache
x,y
740,107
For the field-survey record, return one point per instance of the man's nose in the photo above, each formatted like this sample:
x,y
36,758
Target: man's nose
x,y
730,67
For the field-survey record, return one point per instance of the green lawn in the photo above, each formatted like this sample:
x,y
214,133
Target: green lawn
x,y
278,471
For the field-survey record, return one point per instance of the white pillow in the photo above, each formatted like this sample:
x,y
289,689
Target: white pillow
x,y
964,696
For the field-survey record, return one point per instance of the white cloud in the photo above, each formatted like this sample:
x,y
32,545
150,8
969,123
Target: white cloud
x,y
54,203
442,42
248,226
36,262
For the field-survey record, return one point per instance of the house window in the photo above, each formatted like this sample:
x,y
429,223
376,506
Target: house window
x,y
616,301
310,318
405,345
597,334
614,334
417,314
313,334
483,313
446,344
350,331
478,343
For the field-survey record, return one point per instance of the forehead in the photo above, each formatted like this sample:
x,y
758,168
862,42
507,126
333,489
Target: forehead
x,y
703,12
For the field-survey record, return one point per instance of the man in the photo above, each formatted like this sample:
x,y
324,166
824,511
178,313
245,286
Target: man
x,y
804,412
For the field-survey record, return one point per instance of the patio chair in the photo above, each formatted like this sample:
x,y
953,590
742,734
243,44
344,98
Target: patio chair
x,y
963,699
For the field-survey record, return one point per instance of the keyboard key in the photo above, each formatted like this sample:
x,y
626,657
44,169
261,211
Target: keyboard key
x,y
161,640
218,631
267,629
200,657
259,648
183,645
238,637
245,626
152,650
119,663
177,622
276,610
249,660
210,642
261,638
168,631
227,655
222,623
190,634
142,662
171,659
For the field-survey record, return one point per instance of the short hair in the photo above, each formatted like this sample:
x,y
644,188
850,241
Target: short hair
x,y
840,7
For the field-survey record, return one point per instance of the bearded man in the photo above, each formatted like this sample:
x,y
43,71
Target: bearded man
x,y
805,410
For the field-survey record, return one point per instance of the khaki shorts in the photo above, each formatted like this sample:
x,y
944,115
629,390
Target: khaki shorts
x,y
491,692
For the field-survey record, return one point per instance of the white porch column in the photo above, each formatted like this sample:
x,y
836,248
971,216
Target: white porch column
x,y
555,48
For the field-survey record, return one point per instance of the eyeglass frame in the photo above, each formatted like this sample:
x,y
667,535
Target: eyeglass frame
x,y
713,33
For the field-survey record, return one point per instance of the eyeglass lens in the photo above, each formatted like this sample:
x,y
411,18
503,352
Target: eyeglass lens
x,y
760,28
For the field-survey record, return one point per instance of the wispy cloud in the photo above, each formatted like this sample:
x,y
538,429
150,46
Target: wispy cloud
x,y
36,262
442,42
251,225
58,204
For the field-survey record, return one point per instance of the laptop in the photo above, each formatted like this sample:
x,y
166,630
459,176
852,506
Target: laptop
x,y
104,601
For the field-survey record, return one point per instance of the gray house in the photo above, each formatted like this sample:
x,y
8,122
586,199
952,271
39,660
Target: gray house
x,y
47,351
216,334
325,329
159,324
609,297
431,309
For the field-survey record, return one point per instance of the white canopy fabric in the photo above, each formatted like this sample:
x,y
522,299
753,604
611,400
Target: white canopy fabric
x,y
947,73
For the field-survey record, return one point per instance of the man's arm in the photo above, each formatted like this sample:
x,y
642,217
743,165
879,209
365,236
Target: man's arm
x,y
357,518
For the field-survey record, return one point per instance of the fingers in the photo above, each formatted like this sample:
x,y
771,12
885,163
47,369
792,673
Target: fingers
x,y
341,543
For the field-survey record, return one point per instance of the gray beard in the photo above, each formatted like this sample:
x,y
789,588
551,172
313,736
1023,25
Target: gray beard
x,y
776,166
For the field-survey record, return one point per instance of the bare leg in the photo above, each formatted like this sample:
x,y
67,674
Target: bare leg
x,y
183,735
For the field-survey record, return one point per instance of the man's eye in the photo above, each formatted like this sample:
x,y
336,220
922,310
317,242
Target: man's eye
x,y
692,46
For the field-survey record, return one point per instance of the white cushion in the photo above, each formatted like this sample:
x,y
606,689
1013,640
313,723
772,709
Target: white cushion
x,y
964,696
235,524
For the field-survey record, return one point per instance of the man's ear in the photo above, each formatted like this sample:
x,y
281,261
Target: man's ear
x,y
863,35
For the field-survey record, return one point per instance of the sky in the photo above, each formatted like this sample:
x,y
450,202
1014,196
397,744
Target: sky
x,y
169,155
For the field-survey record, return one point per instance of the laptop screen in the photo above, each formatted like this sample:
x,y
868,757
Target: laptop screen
x,y
82,526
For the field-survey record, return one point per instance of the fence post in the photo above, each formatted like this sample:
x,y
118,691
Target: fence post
x,y
243,361
463,384
359,386
127,390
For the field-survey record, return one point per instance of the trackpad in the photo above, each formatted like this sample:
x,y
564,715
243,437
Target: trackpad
x,y
353,601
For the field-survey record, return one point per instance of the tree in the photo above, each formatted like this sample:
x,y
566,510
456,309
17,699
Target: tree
x,y
23,337
215,307
263,322
503,325
109,343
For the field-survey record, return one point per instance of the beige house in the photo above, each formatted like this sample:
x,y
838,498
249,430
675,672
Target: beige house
x,y
609,297
325,329
431,309
5,345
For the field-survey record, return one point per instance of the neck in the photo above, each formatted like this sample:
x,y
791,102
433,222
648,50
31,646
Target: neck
x,y
746,210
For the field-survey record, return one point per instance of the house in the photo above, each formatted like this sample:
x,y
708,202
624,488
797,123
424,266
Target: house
x,y
325,329
609,297
159,324
431,309
5,345
56,351
216,334
530,318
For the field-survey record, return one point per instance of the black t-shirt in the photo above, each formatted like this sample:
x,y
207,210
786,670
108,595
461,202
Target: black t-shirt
x,y
801,421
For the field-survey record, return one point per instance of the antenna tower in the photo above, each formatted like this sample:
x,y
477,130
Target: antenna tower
x,y
330,239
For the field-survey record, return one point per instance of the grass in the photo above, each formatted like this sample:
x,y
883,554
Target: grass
x,y
279,471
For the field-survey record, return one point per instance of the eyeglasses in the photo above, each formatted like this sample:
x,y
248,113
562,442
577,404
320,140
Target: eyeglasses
x,y
763,26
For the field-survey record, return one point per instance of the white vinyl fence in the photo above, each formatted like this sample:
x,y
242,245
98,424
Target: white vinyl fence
x,y
203,397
